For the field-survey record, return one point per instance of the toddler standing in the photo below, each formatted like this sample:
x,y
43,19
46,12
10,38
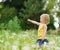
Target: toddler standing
x,y
42,30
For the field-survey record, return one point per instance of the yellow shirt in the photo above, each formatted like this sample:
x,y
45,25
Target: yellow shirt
x,y
40,31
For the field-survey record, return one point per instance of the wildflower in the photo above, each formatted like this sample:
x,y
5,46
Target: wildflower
x,y
7,43
14,34
14,47
33,46
57,48
1,41
45,44
16,42
26,47
52,42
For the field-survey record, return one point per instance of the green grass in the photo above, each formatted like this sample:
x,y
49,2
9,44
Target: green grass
x,y
26,40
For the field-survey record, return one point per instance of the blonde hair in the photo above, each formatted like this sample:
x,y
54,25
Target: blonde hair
x,y
44,18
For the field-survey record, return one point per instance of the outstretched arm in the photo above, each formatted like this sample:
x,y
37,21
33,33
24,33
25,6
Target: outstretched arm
x,y
34,22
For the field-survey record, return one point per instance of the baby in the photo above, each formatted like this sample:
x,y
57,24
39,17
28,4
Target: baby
x,y
42,30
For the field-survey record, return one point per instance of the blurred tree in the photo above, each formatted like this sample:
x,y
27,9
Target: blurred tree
x,y
33,9
25,9
17,4
50,7
13,24
7,14
51,4
58,8
14,3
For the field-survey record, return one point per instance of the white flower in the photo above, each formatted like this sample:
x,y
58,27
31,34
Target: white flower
x,y
56,23
26,32
14,47
14,33
40,49
45,44
16,42
33,46
11,36
26,47
2,41
57,48
58,37
52,42
7,43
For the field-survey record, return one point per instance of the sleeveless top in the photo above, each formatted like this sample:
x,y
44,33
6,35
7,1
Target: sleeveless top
x,y
40,31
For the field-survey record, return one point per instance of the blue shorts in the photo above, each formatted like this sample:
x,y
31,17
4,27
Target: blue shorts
x,y
40,41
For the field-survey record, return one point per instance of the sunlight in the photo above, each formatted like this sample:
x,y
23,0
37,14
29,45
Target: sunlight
x,y
0,0
46,5
58,0
56,23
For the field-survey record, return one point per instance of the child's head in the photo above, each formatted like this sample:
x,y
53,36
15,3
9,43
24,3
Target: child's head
x,y
44,18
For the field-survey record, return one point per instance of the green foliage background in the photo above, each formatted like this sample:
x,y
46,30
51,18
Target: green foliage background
x,y
14,13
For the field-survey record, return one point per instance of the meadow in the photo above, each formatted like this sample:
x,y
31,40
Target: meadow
x,y
26,40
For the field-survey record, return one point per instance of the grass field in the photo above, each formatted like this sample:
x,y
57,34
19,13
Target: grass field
x,y
26,40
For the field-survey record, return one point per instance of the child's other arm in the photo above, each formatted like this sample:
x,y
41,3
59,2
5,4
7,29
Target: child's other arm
x,y
34,22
